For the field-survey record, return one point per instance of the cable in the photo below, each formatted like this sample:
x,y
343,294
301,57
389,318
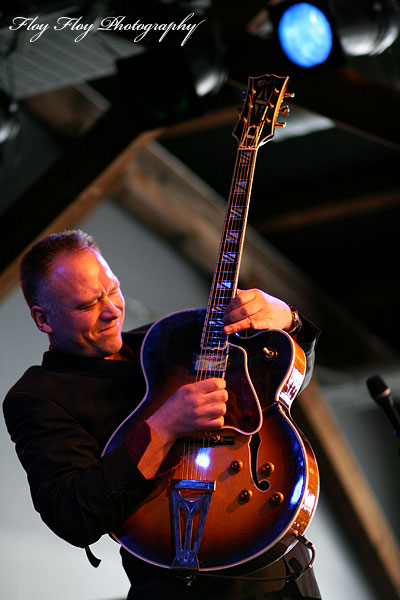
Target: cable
x,y
190,579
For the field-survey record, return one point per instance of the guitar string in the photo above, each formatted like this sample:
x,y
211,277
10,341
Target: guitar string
x,y
224,274
244,166
230,246
240,200
205,366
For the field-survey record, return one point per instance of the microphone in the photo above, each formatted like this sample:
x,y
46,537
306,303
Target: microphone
x,y
381,393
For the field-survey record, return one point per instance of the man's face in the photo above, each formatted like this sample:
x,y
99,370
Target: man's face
x,y
84,306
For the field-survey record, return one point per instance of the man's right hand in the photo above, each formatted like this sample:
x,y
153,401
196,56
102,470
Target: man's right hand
x,y
194,407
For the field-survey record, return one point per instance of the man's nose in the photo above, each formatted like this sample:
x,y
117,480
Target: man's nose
x,y
110,310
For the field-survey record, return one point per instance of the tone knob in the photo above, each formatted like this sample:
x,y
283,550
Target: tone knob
x,y
267,469
277,498
245,495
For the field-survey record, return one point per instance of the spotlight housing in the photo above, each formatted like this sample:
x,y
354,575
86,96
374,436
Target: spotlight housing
x,y
323,32
367,28
305,34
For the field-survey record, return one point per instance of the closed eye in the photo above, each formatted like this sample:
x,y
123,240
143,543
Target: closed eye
x,y
88,306
114,291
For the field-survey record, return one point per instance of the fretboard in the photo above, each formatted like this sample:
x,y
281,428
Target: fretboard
x,y
226,273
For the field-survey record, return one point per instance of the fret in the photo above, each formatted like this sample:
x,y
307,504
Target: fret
x,y
214,340
215,336
220,311
227,268
226,274
215,344
221,295
234,247
215,319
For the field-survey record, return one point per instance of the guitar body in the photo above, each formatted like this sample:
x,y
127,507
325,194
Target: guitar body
x,y
260,475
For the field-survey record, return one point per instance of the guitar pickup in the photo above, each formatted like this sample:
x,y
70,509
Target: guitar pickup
x,y
210,362
209,439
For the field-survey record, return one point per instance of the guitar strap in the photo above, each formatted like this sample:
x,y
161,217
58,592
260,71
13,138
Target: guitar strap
x,y
94,561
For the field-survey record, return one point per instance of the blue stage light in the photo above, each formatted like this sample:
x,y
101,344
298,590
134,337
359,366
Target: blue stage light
x,y
305,35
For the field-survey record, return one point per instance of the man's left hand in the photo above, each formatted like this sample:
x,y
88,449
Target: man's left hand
x,y
254,309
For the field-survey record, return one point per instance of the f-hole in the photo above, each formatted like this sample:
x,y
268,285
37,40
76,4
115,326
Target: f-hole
x,y
255,442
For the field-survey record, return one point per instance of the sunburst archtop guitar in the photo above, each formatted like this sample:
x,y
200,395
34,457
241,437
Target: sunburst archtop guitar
x,y
244,494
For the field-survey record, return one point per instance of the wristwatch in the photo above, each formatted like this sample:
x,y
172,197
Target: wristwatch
x,y
296,321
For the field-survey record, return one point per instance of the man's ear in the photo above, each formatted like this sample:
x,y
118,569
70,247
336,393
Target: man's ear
x,y
39,315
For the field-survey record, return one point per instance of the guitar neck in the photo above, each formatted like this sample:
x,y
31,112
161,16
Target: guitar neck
x,y
260,110
226,272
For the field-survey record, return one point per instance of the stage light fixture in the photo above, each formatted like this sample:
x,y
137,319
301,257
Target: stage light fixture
x,y
321,32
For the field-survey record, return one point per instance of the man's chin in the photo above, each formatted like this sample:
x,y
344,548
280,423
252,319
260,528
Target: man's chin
x,y
111,348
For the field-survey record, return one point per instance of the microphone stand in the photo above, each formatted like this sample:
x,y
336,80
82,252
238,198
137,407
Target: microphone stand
x,y
381,393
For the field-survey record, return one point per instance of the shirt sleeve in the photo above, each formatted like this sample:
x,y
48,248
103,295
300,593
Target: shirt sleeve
x,y
307,339
137,444
79,494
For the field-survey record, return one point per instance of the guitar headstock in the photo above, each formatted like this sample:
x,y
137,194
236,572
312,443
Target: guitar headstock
x,y
260,111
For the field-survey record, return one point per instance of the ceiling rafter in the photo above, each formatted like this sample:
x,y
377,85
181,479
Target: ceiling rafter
x,y
332,211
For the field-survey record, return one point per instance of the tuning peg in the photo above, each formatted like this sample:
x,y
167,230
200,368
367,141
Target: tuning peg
x,y
278,124
289,95
285,109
